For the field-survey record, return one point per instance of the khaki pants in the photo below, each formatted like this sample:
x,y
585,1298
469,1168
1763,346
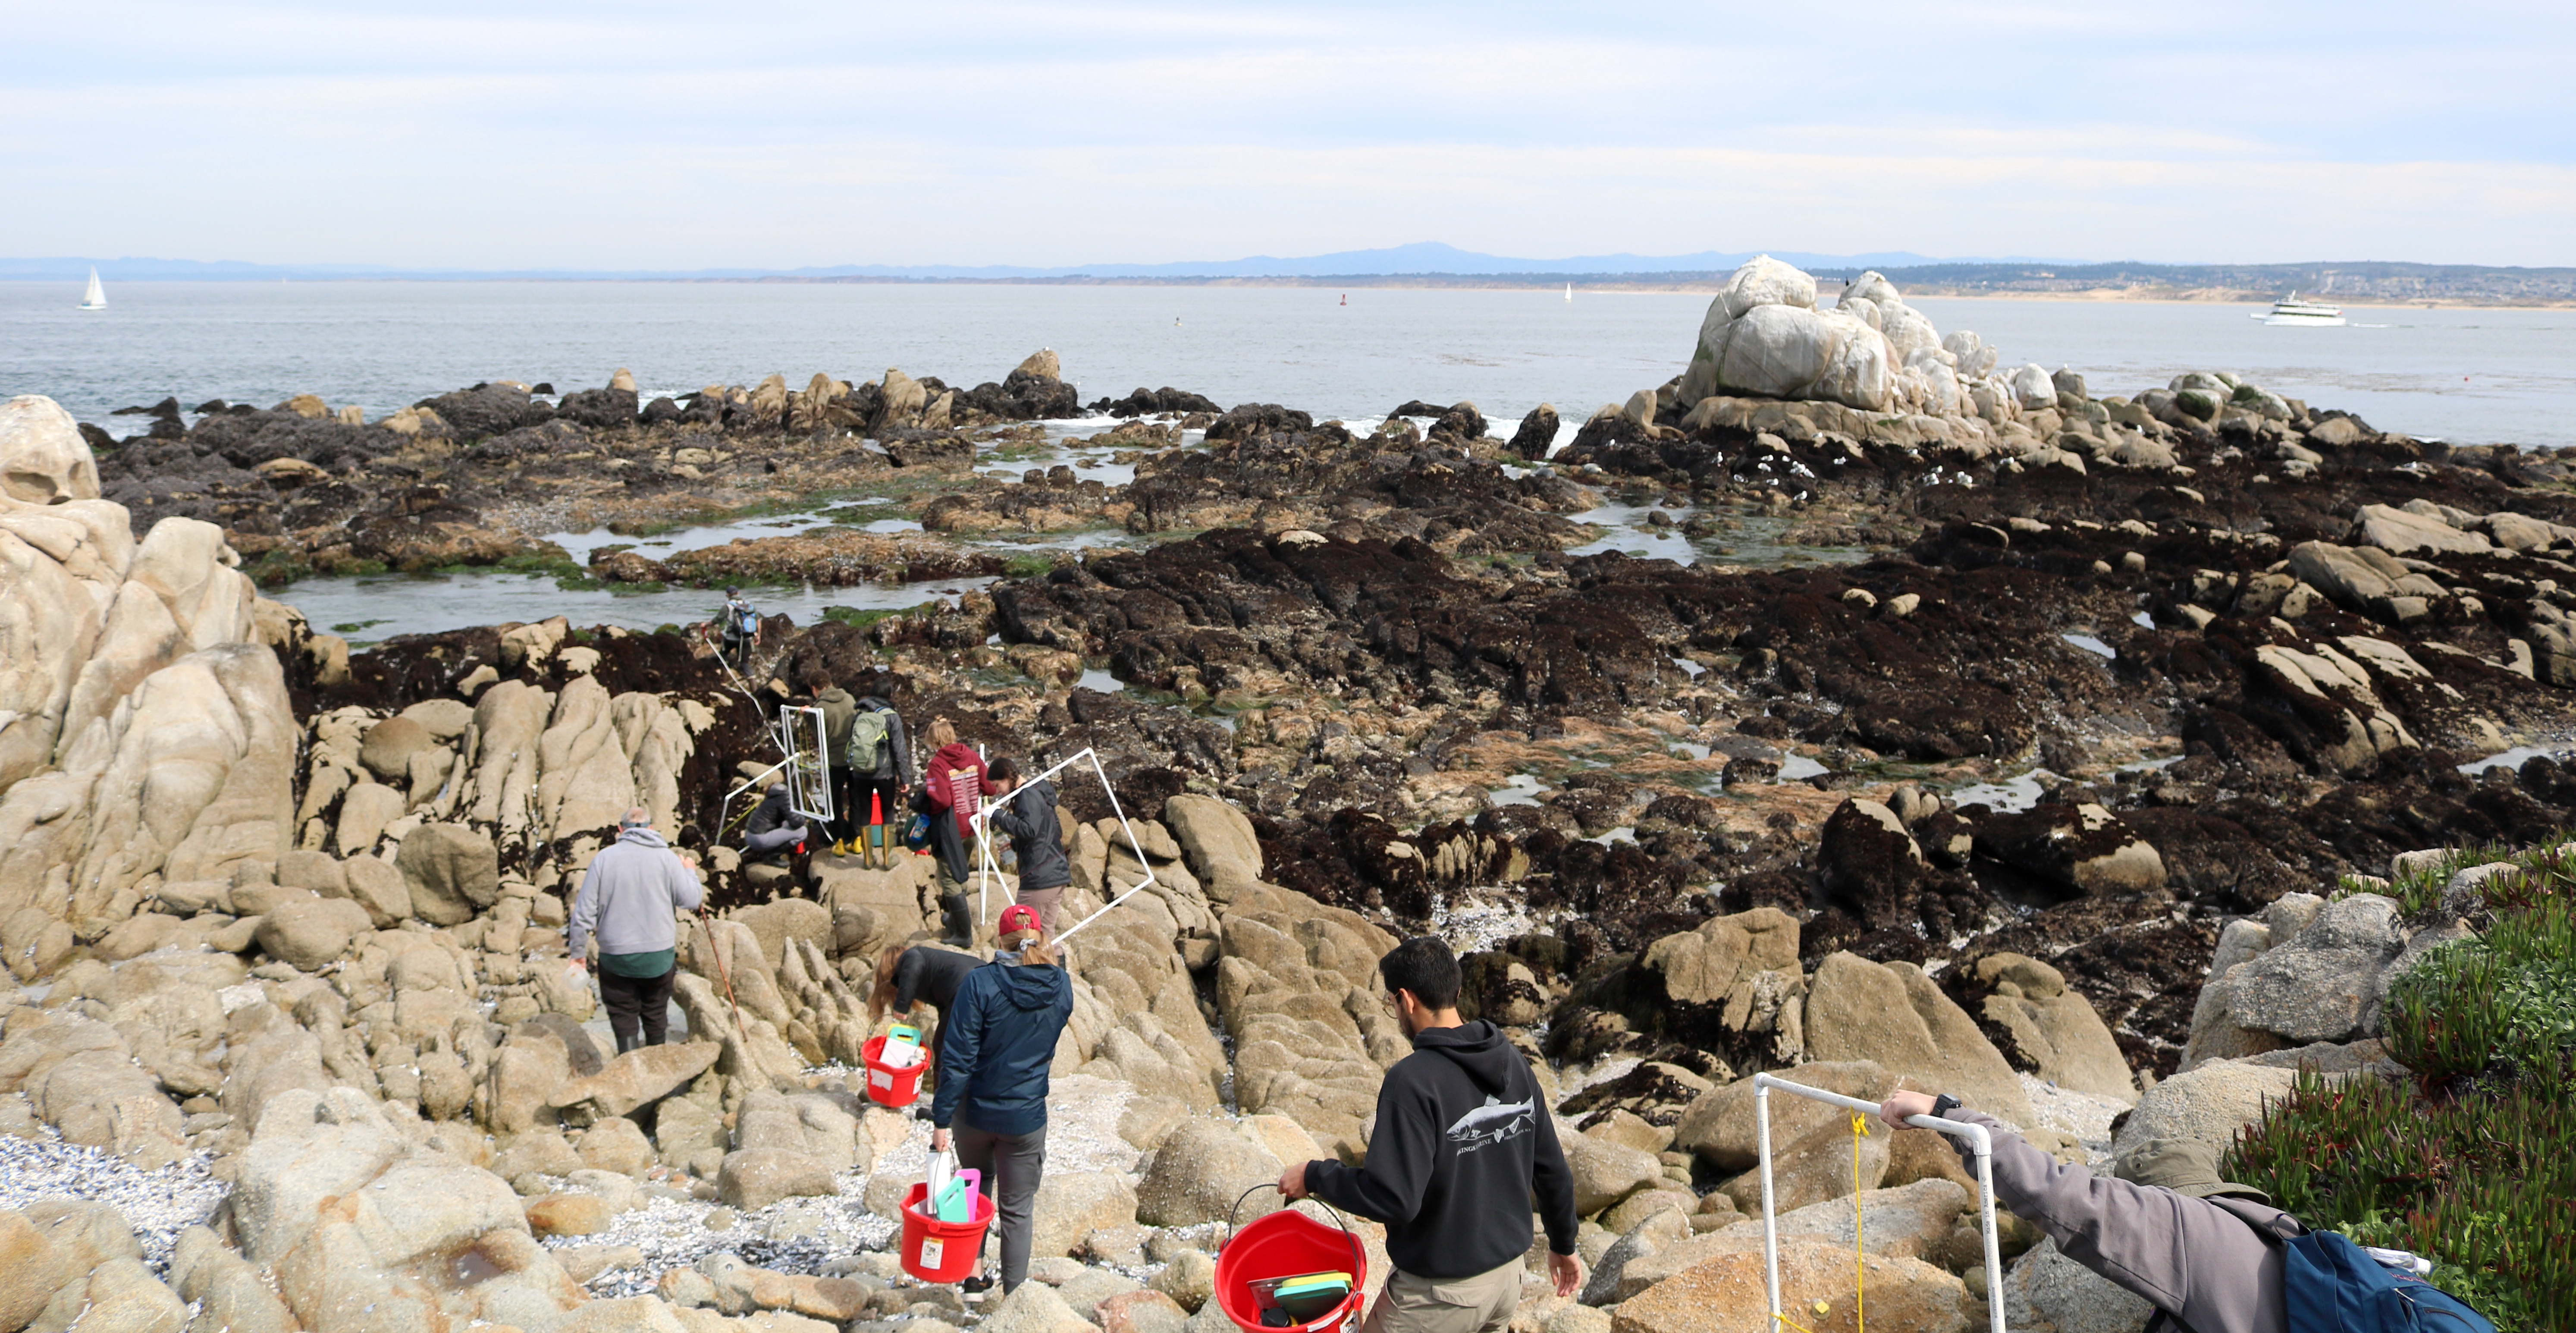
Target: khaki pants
x,y
1480,1304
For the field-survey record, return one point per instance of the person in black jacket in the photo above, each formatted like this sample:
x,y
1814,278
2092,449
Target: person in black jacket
x,y
1464,1141
774,829
908,978
1027,816
994,1056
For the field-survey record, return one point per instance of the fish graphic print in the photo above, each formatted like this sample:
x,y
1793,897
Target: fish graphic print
x,y
1494,1122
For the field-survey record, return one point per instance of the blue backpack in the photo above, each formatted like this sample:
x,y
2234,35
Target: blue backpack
x,y
2331,1285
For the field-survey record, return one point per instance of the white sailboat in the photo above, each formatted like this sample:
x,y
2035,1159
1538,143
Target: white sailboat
x,y
96,299
1569,291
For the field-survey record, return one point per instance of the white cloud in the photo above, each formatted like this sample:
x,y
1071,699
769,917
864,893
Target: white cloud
x,y
670,135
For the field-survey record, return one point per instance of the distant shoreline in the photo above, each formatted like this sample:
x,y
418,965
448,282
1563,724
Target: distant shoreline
x,y
1600,284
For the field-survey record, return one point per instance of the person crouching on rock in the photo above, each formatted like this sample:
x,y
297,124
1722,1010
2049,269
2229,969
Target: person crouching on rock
x,y
910,978
994,1054
952,785
630,900
2204,1252
774,829
1027,815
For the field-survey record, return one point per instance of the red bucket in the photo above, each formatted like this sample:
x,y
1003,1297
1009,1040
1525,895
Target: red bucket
x,y
1285,1244
887,1085
936,1251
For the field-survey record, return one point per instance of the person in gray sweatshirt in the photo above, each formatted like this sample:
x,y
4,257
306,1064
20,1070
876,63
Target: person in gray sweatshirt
x,y
2204,1251
629,902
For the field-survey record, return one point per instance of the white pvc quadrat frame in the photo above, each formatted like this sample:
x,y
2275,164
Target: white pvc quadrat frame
x,y
809,777
1979,1140
984,844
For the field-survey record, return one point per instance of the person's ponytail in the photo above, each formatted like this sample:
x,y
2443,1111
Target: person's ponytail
x,y
1031,947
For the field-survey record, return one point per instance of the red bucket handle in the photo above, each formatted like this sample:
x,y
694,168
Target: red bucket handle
x,y
1237,1211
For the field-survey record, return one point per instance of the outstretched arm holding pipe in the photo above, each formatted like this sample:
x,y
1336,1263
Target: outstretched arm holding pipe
x,y
2167,1242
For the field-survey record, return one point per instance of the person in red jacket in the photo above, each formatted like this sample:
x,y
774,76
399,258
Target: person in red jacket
x,y
952,787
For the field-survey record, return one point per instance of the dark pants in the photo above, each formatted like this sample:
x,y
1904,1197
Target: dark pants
x,y
850,792
849,795
1012,1165
1050,905
635,1002
775,843
955,853
889,797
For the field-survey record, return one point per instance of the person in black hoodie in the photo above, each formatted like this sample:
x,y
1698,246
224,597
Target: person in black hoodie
x,y
995,1050
1464,1141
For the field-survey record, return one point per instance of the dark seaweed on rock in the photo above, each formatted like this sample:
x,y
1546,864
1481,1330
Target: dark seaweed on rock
x,y
1377,610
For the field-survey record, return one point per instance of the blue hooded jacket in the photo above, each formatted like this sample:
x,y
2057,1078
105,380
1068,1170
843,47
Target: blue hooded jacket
x,y
996,1045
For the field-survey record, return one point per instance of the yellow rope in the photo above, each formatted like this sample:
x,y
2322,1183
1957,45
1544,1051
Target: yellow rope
x,y
1860,1246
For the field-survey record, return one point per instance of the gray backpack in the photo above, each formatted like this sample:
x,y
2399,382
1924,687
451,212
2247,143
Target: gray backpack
x,y
868,733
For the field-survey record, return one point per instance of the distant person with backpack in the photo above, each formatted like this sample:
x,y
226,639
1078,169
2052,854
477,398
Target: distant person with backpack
x,y
741,629
952,789
2210,1255
879,764
1027,816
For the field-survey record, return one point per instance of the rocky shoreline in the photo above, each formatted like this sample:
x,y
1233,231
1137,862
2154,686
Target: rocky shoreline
x,y
1997,807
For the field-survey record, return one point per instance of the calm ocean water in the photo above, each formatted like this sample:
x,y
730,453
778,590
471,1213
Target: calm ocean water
x,y
2468,376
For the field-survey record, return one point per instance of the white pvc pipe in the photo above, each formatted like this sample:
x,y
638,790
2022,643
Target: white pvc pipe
x,y
1980,1141
984,842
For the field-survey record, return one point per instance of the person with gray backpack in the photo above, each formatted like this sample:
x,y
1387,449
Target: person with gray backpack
x,y
739,623
879,759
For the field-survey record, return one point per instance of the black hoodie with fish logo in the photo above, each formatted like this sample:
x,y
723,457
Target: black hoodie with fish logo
x,y
1464,1144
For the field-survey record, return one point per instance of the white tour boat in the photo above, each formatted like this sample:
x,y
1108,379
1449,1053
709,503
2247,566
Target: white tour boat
x,y
2291,310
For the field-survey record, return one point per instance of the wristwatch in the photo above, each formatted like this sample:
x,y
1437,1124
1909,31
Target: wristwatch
x,y
1943,1105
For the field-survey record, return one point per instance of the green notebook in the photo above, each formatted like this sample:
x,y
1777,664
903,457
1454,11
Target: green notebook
x,y
1303,1297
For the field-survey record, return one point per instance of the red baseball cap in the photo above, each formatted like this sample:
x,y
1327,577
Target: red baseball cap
x,y
1018,917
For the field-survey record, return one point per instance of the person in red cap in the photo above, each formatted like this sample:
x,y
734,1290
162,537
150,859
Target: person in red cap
x,y
994,1053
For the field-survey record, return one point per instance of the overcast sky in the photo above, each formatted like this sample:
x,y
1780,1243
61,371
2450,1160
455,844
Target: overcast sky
x,y
643,134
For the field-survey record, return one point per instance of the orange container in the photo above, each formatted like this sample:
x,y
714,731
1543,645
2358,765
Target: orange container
x,y
1285,1244
887,1085
936,1251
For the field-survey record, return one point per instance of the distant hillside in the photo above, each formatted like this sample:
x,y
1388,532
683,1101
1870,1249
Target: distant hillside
x,y
1421,259
1431,264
